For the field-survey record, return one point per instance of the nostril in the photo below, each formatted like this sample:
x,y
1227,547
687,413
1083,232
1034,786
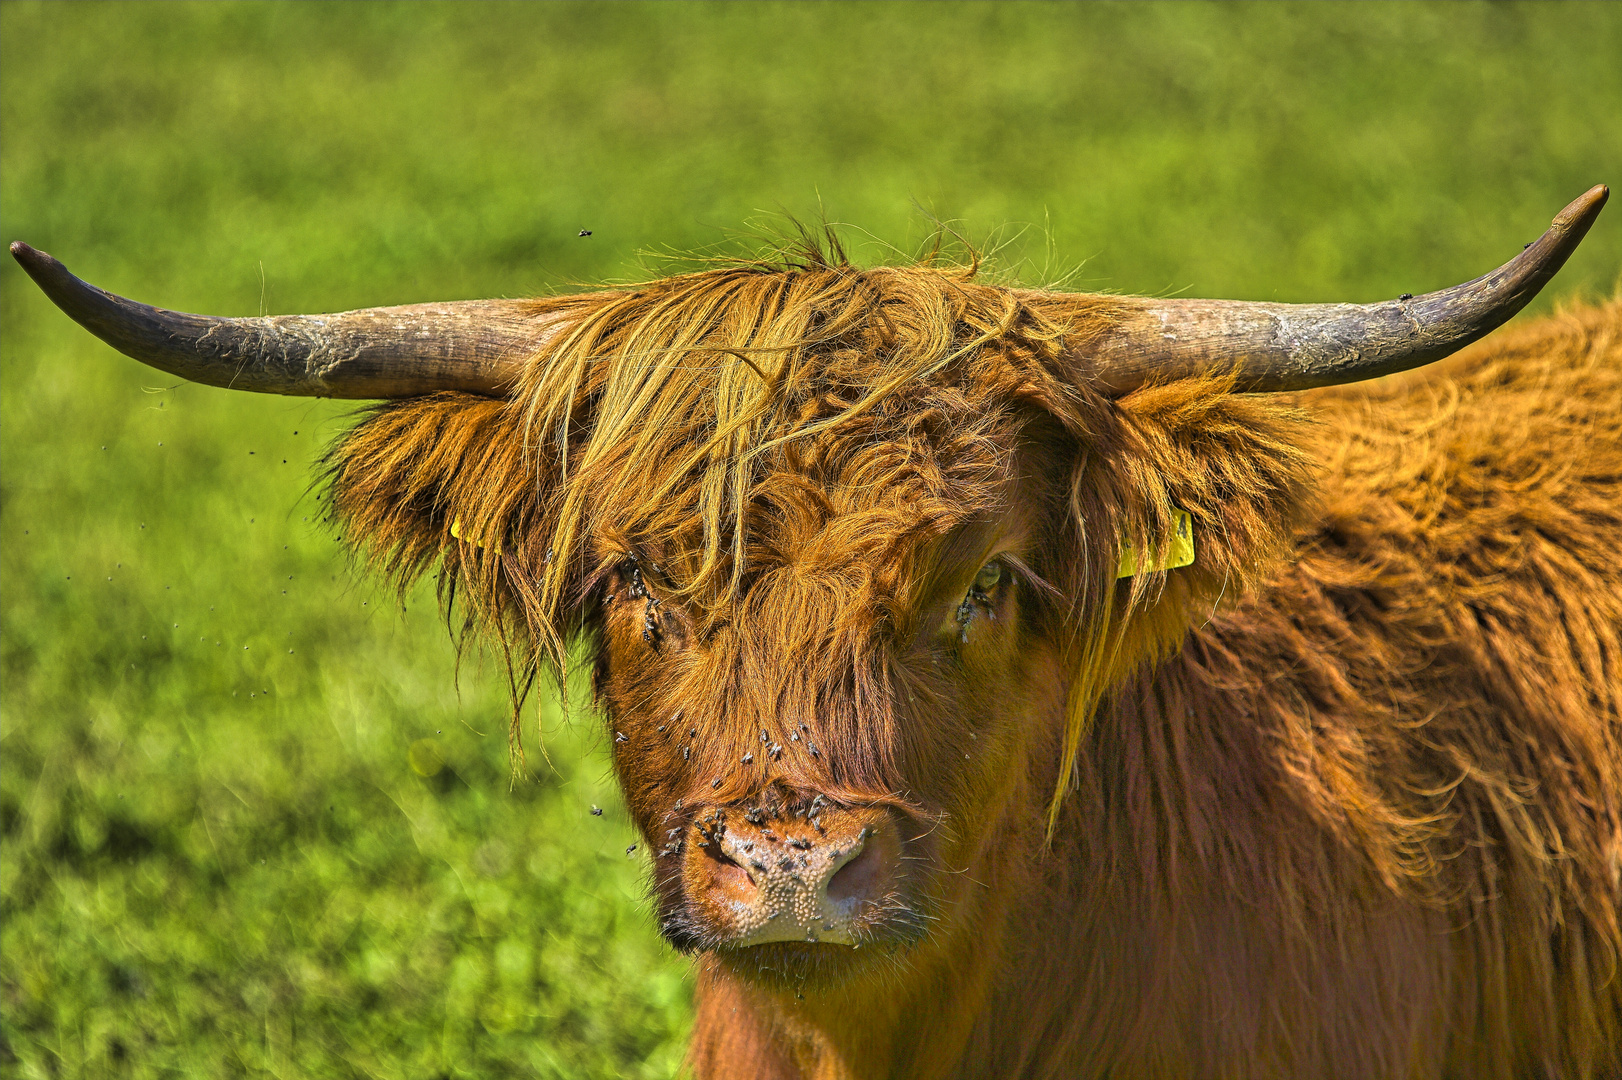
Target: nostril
x,y
861,878
732,881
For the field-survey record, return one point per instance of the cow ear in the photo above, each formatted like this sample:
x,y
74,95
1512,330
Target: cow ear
x,y
1192,455
1200,466
446,479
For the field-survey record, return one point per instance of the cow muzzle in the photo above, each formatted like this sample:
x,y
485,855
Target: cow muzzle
x,y
823,874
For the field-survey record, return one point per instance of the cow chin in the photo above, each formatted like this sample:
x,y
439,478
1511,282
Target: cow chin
x,y
802,966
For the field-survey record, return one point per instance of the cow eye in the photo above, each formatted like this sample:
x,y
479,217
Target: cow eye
x,y
630,572
980,598
990,575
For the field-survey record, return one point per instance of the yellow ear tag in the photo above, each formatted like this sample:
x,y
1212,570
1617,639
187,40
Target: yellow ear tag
x,y
1179,553
456,531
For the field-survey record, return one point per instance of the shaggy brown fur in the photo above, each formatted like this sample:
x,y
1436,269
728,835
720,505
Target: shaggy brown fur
x,y
1340,799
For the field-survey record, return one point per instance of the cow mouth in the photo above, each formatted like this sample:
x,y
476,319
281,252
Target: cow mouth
x,y
880,942
901,925
804,965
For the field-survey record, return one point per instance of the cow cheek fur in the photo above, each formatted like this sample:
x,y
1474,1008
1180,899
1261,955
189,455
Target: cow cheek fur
x,y
653,773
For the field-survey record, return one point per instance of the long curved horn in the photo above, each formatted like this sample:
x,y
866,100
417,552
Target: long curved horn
x,y
474,345
1278,347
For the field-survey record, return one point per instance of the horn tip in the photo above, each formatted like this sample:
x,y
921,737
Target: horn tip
x,y
1583,208
32,259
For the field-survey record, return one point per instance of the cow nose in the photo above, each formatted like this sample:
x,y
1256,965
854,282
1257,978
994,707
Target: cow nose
x,y
817,878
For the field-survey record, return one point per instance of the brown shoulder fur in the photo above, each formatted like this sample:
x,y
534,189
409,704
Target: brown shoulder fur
x,y
1400,756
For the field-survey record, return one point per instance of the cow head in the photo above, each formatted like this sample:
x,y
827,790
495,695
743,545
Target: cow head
x,y
842,548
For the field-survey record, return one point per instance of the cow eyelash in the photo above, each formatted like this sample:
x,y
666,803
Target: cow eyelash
x,y
636,588
982,596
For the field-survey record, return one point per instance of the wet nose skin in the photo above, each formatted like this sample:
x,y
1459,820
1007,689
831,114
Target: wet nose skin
x,y
794,879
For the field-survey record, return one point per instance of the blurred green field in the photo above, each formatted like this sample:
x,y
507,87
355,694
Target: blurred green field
x,y
254,823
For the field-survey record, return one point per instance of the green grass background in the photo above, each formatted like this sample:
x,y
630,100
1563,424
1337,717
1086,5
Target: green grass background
x,y
221,853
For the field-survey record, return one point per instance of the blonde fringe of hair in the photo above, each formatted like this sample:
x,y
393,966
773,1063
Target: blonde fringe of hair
x,y
677,394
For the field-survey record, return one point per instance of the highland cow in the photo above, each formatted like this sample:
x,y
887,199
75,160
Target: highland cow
x,y
1012,683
